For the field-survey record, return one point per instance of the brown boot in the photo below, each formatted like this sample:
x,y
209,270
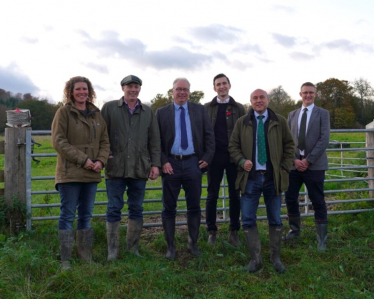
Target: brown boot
x,y
294,222
66,240
112,235
254,246
234,238
134,231
212,237
85,239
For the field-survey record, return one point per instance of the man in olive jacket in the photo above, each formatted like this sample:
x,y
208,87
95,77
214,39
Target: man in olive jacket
x,y
135,156
262,146
223,111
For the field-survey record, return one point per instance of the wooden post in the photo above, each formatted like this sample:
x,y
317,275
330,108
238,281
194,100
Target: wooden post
x,y
15,164
370,155
2,148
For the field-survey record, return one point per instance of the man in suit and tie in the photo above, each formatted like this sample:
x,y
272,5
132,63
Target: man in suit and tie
x,y
187,148
310,128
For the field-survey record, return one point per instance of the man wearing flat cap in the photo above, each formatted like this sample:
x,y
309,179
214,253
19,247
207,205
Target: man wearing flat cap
x,y
134,157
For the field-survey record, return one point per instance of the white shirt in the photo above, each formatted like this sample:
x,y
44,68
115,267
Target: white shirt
x,y
308,114
223,102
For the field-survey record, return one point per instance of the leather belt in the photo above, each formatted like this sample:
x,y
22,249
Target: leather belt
x,y
181,157
263,172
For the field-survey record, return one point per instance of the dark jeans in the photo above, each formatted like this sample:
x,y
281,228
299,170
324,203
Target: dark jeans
x,y
220,163
250,200
313,180
115,189
188,175
76,196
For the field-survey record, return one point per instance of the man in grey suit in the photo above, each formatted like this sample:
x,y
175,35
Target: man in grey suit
x,y
310,128
187,148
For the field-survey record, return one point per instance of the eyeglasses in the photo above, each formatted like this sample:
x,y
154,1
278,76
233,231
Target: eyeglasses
x,y
308,92
182,89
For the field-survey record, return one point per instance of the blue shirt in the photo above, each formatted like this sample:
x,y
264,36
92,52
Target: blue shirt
x,y
133,109
266,115
177,149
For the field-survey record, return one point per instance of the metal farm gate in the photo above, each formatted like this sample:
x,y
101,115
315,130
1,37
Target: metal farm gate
x,y
342,167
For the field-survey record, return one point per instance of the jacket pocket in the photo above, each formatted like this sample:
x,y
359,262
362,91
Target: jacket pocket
x,y
143,166
95,153
111,167
284,180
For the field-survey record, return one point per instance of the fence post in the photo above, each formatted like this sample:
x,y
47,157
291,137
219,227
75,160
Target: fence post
x,y
2,143
370,155
15,164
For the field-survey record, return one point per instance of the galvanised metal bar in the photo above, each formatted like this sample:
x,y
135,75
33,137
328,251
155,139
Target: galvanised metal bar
x,y
224,209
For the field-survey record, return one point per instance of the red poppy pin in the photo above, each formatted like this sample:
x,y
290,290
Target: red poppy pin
x,y
228,113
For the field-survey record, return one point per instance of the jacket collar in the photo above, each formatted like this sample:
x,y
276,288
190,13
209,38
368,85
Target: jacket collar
x,y
251,114
231,101
121,103
91,107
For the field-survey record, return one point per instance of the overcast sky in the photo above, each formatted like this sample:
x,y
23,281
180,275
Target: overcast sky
x,y
257,44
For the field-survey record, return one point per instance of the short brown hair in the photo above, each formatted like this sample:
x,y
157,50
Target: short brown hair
x,y
308,84
220,76
69,87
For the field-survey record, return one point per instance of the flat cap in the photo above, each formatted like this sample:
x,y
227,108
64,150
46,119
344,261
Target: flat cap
x,y
131,79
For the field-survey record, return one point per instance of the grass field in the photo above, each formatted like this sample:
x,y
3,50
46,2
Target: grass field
x,y
29,261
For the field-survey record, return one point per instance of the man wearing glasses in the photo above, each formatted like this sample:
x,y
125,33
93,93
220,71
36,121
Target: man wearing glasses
x,y
262,147
223,112
187,148
310,128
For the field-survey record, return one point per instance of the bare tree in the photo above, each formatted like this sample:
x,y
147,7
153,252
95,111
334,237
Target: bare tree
x,y
363,89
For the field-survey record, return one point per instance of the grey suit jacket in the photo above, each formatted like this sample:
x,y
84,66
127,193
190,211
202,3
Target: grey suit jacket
x,y
201,127
316,139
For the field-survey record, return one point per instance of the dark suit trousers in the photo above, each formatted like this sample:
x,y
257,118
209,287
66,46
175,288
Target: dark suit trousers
x,y
188,175
314,181
220,163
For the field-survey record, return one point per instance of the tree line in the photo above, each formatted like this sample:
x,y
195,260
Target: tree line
x,y
350,104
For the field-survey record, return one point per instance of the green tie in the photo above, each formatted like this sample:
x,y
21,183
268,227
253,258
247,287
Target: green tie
x,y
261,147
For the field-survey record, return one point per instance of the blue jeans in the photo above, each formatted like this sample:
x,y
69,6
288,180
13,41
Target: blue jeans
x,y
250,200
76,196
115,189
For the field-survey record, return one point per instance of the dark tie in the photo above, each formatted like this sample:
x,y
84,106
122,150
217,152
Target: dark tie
x,y
302,130
261,147
184,140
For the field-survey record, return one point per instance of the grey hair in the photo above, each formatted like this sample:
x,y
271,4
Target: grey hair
x,y
181,79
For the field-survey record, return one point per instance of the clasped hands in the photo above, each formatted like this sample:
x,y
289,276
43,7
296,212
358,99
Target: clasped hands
x,y
96,166
301,165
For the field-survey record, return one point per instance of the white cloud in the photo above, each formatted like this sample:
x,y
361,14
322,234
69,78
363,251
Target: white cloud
x,y
14,80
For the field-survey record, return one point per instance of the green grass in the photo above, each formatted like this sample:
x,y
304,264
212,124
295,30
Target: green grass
x,y
30,268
